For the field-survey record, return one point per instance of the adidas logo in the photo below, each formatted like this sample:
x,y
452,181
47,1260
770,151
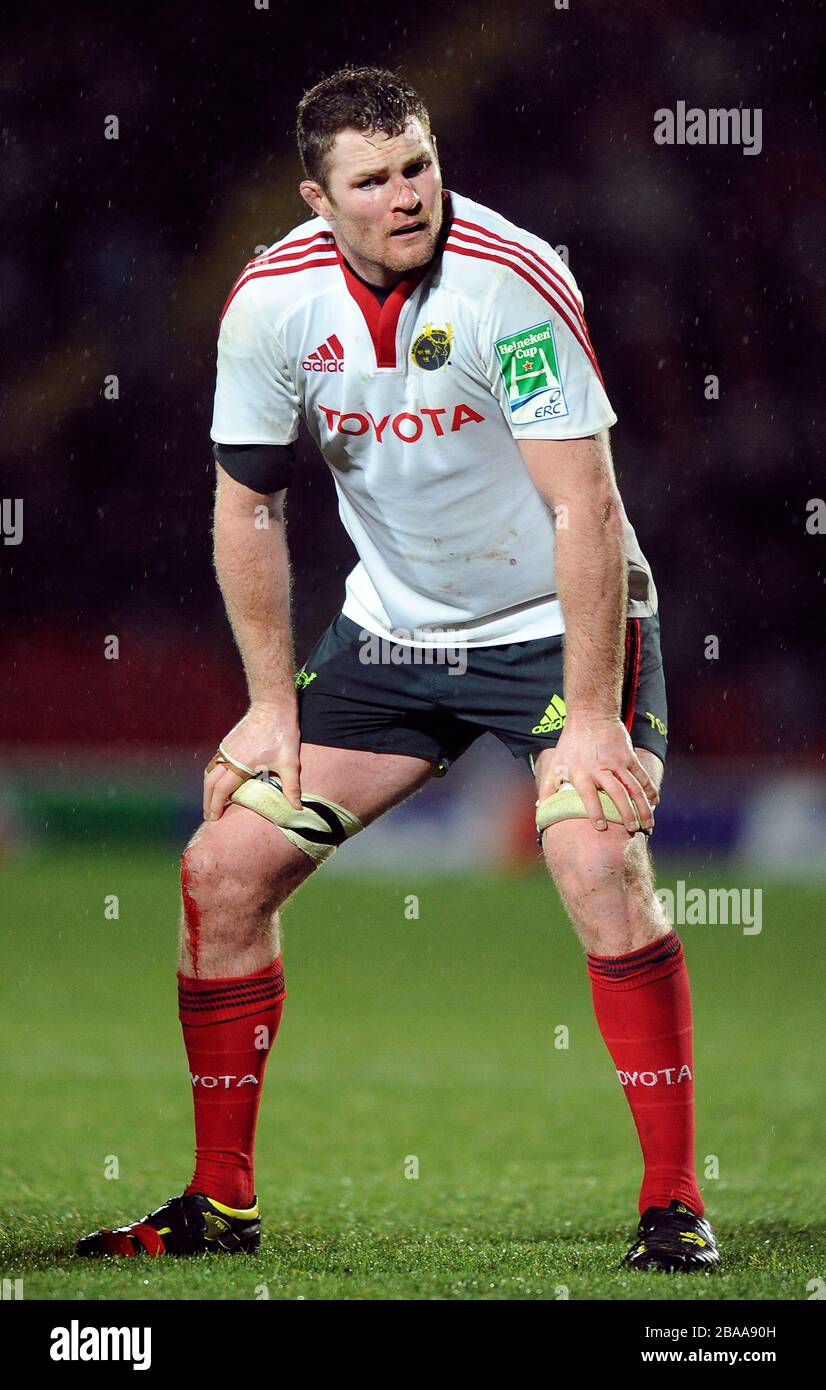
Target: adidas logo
x,y
329,357
553,718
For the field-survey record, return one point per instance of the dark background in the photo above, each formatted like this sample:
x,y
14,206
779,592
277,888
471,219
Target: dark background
x,y
117,255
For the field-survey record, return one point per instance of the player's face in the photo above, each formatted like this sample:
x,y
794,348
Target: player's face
x,y
383,200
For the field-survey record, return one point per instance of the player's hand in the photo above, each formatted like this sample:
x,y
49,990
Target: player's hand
x,y
597,753
267,737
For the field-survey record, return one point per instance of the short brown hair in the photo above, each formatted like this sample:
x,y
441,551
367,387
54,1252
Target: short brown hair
x,y
364,98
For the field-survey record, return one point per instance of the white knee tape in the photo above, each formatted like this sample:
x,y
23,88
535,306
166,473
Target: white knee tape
x,y
318,828
567,804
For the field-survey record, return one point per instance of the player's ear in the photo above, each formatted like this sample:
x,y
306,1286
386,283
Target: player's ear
x,y
313,194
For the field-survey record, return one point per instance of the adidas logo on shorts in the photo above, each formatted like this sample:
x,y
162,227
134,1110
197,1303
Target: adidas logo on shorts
x,y
329,357
554,717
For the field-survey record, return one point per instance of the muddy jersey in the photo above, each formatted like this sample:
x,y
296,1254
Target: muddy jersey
x,y
417,405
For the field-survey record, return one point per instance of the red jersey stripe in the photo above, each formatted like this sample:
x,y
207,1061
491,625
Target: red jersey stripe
x,y
535,263
285,252
573,324
287,247
282,253
567,293
275,270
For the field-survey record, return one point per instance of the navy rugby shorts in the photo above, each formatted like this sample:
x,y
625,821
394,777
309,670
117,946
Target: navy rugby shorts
x,y
385,697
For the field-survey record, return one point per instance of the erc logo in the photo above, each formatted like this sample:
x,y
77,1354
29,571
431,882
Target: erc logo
x,y
431,350
406,426
529,368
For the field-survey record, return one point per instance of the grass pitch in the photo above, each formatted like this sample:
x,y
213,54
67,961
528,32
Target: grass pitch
x,y
424,1043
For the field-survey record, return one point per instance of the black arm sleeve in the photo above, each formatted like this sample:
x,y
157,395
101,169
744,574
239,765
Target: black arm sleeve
x,y
262,467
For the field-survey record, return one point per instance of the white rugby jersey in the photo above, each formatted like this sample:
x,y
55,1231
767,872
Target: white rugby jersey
x,y
417,406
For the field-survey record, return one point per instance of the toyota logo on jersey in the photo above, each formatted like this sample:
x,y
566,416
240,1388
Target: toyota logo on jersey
x,y
406,426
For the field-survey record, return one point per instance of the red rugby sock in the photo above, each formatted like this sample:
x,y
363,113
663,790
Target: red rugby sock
x,y
229,1026
643,1006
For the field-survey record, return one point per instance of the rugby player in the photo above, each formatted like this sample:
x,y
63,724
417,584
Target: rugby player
x,y
440,358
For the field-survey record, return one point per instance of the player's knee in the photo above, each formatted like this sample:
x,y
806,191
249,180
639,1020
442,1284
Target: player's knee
x,y
223,880
590,867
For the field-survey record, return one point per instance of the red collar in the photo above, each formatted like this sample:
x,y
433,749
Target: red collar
x,y
383,319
